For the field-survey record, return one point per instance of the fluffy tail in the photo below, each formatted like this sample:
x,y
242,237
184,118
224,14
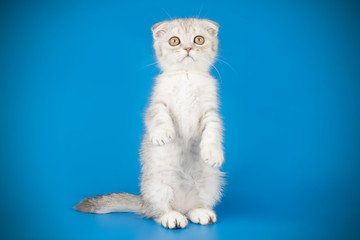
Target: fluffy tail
x,y
113,202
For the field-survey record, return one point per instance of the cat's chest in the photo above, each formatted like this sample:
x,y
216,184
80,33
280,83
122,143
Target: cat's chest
x,y
187,100
187,92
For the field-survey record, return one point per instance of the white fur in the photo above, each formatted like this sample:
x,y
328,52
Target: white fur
x,y
182,146
173,220
202,216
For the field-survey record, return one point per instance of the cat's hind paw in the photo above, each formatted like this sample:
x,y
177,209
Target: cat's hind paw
x,y
173,220
202,216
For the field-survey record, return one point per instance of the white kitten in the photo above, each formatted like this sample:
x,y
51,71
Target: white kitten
x,y
182,147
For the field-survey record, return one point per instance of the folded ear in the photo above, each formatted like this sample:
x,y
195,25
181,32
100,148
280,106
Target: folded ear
x,y
159,29
212,27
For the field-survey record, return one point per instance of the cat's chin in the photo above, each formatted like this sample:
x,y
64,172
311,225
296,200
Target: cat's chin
x,y
188,60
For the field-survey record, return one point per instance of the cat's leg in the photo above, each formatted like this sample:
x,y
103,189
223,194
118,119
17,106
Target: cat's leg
x,y
157,196
159,123
158,183
211,149
208,192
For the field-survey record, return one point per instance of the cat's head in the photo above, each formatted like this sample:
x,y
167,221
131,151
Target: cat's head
x,y
184,44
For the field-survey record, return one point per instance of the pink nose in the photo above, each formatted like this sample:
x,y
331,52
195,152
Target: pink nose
x,y
188,50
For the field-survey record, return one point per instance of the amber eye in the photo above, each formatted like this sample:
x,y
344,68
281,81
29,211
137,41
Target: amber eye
x,y
174,41
199,40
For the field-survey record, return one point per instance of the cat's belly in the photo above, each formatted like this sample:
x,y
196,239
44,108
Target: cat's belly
x,y
195,178
185,191
187,125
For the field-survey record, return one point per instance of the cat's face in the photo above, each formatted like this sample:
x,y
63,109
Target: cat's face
x,y
185,44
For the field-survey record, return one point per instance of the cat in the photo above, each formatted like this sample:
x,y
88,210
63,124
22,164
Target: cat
x,y
182,148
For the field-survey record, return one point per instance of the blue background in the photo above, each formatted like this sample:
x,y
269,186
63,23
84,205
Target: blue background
x,y
75,81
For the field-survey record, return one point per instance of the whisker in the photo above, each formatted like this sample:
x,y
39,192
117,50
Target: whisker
x,y
201,8
167,14
150,64
217,71
218,59
211,64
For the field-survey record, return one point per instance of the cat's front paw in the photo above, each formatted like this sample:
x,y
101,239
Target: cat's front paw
x,y
212,155
162,135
